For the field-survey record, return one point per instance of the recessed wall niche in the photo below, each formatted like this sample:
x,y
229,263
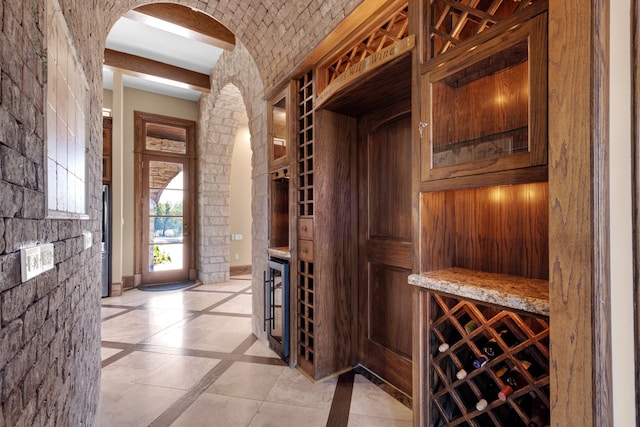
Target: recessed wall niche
x,y
66,115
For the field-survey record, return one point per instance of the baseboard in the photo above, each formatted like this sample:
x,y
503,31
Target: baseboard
x,y
239,270
116,289
128,282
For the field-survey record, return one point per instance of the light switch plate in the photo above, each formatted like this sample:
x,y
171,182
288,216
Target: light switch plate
x,y
30,262
46,257
88,239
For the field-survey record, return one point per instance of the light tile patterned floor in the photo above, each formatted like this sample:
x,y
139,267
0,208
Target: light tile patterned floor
x,y
188,358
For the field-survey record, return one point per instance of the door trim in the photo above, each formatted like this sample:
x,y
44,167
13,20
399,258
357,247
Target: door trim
x,y
140,120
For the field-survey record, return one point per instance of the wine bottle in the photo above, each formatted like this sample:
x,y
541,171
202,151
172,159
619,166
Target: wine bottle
x,y
492,349
470,326
514,380
489,392
467,360
443,347
480,362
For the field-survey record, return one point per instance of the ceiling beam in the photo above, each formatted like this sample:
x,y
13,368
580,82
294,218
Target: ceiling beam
x,y
196,25
142,67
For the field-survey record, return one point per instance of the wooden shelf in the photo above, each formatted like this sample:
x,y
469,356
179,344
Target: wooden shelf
x,y
514,292
280,252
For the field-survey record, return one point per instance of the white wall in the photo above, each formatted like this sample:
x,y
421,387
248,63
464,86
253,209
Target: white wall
x,y
622,318
136,100
240,199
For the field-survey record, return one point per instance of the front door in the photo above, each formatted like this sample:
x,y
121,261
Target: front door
x,y
164,215
385,246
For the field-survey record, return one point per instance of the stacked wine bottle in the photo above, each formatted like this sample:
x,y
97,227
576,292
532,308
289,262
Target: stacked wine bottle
x,y
488,366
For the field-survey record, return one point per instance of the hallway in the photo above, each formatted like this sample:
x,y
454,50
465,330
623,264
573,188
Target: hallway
x,y
188,358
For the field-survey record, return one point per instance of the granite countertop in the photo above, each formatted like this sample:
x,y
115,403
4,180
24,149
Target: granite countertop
x,y
280,252
518,293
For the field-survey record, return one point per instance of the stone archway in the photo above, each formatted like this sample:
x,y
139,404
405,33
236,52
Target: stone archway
x,y
215,148
237,89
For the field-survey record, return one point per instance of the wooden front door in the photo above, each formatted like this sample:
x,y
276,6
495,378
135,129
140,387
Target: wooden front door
x,y
385,246
164,183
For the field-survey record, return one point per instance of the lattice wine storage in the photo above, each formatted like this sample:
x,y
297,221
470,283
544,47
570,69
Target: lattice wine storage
x,y
393,29
306,280
452,22
462,332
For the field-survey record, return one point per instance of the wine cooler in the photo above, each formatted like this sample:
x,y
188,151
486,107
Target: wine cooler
x,y
276,306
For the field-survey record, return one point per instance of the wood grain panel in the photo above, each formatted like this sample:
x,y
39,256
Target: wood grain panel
x,y
388,185
279,213
390,299
390,253
578,218
334,242
503,97
500,229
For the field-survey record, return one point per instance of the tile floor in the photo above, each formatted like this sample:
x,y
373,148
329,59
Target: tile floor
x,y
189,358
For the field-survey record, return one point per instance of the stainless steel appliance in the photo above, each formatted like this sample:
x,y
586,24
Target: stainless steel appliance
x,y
276,306
106,240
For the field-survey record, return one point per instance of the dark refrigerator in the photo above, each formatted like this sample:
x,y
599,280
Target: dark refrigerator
x,y
106,240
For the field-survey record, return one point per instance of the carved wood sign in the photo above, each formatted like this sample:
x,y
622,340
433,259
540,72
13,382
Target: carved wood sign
x,y
368,64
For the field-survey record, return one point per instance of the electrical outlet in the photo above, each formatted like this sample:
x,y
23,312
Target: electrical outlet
x,y
30,262
46,257
36,260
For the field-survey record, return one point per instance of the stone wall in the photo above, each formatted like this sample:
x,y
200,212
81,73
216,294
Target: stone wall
x,y
49,325
236,91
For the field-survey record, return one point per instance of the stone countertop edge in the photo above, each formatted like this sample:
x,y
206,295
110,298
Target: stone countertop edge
x,y
518,293
280,252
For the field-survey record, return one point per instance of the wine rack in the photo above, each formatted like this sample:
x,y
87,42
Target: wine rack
x,y
306,280
521,342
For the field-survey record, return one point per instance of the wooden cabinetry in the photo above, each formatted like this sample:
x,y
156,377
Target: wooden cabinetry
x,y
484,108
484,208
278,129
324,274
107,131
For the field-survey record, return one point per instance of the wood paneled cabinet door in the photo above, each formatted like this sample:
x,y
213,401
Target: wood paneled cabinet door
x,y
484,107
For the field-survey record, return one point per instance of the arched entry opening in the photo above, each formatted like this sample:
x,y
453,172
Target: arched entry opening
x,y
161,72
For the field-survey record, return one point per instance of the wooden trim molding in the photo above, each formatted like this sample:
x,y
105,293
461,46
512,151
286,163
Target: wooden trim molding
x,y
635,150
579,282
198,25
142,67
239,270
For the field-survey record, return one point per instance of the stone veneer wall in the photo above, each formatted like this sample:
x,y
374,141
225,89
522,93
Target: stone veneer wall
x,y
50,325
236,91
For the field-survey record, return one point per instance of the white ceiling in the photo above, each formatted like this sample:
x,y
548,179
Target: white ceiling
x,y
160,42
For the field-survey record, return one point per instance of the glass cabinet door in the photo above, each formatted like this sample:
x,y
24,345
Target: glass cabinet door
x,y
278,130
486,107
